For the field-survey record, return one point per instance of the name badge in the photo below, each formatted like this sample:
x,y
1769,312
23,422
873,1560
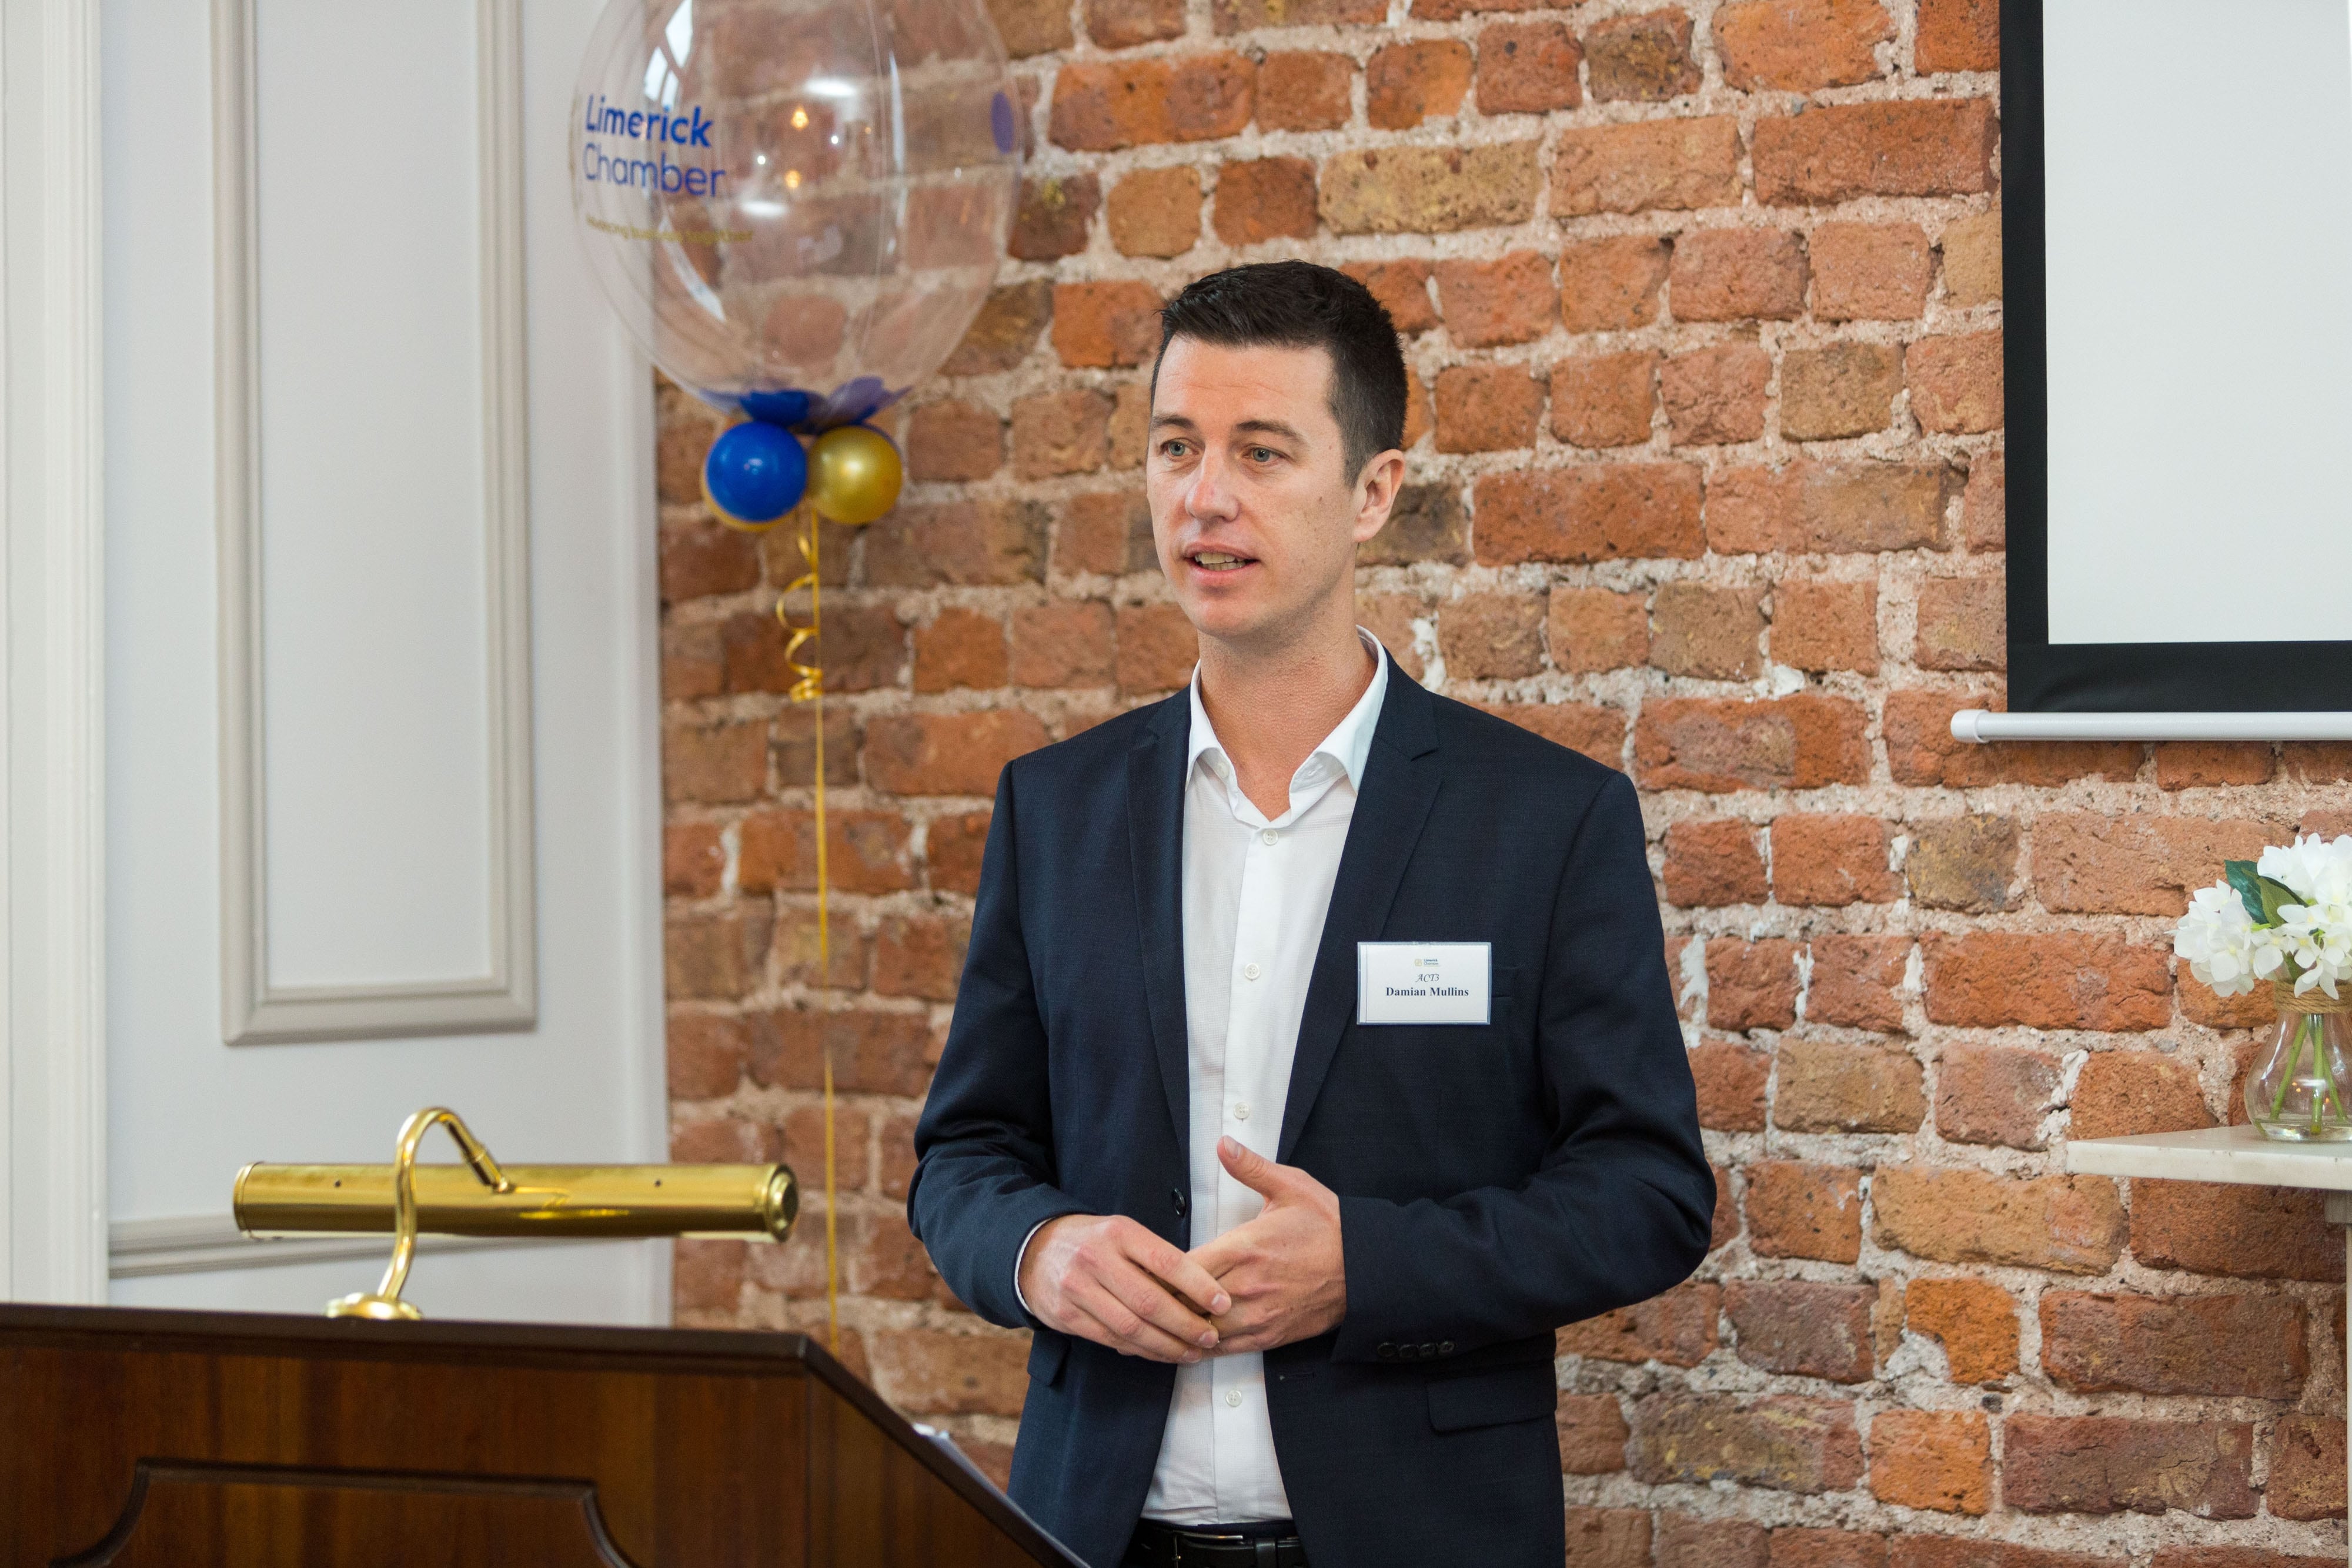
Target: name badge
x,y
1423,982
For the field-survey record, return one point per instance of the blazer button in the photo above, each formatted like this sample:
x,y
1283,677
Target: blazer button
x,y
1386,1353
1427,1351
1176,1197
1445,1347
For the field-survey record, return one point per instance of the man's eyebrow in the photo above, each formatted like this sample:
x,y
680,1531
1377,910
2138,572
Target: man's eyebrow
x,y
1173,419
1272,427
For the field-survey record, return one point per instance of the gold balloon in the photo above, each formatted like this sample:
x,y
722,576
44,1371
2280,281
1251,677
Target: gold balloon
x,y
853,475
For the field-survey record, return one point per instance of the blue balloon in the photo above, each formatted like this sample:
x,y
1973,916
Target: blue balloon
x,y
756,472
786,407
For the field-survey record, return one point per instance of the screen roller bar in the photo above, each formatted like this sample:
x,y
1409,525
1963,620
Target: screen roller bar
x,y
1979,725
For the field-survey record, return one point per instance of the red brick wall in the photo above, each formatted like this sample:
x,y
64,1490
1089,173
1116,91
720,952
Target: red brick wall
x,y
1704,308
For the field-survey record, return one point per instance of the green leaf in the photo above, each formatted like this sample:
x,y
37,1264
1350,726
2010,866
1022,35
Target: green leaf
x,y
2274,893
2242,876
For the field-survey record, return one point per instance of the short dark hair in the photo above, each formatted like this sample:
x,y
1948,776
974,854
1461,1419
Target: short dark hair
x,y
1298,304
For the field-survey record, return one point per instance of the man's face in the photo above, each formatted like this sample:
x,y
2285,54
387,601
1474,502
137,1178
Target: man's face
x,y
1254,510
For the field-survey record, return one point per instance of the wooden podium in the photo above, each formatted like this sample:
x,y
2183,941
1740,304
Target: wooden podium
x,y
232,1440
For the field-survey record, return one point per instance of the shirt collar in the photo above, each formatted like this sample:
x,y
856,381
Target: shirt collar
x,y
1350,744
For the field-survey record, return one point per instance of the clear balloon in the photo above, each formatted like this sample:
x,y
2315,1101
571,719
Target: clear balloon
x,y
796,196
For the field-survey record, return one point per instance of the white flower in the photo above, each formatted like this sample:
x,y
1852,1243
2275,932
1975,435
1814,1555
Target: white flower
x,y
2319,872
2320,949
2222,943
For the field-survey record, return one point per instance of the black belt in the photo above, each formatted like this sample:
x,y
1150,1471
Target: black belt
x,y
1157,1545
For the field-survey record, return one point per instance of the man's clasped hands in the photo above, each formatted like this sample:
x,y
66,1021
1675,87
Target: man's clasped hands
x,y
1269,1281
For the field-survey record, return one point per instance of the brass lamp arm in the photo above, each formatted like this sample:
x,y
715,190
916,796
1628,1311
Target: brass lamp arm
x,y
386,1303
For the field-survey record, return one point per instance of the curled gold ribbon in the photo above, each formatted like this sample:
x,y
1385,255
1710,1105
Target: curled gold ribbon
x,y
809,687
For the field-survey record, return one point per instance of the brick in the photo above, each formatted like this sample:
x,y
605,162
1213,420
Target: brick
x,y
1248,15
1782,1442
2206,764
1678,1328
2232,1557
1611,285
1833,153
1100,325
1920,749
714,764
1970,1551
1608,1538
1454,10
864,648
1686,1541
1100,106
1958,36
1707,633
1714,395
1430,189
919,956
702,559
1108,532
1974,1321
872,1052
2088,1464
864,851
1828,1086
842,959
968,543
1828,508
1963,625
1157,648
2137,864
1751,985
1492,636
1062,644
2118,1093
1052,216
1733,275
1644,58
1427,523
1303,91
1593,1434
1006,329
1799,1546
1060,433
2200,1005
934,1372
1405,84
1798,1210
1831,861
1821,625
1843,390
2064,979
1674,165
1718,744
1156,211
952,849
2306,1468
1710,863
1264,199
1870,272
1932,1459
1956,383
1486,303
722,1140
692,665
1731,1083
1596,512
705,1056
1725,1224
2073,1225
2240,1346
709,1277
1962,863
792,747
694,861
2246,1232
684,428
715,956
1972,268
1800,46
1984,507
1595,629
1418,417
1803,1329
1528,68
1390,617
1856,981
1402,290
952,440
1487,408
1596,731
1031,27
1604,400
1131,418
947,754
1123,23
1994,1094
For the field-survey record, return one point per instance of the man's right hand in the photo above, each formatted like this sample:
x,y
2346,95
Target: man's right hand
x,y
1108,1279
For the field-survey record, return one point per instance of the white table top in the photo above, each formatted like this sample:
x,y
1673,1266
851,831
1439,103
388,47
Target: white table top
x,y
2239,1155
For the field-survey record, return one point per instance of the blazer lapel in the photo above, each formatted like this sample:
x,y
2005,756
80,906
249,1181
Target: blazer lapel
x,y
1400,784
1155,843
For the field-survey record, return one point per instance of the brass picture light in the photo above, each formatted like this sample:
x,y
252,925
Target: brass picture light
x,y
482,1198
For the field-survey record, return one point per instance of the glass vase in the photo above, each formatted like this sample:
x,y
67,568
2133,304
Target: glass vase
x,y
2298,1087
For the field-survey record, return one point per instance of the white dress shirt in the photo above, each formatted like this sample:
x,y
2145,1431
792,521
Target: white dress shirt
x,y
1255,893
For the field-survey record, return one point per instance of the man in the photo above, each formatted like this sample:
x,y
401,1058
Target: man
x,y
1357,993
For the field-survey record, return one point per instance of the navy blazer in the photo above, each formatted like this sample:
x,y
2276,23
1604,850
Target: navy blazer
x,y
1494,1181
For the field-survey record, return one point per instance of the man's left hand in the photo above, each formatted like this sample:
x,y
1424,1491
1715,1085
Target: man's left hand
x,y
1285,1269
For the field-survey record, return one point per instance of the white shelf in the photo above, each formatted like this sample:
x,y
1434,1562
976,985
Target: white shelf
x,y
2237,1154
1980,725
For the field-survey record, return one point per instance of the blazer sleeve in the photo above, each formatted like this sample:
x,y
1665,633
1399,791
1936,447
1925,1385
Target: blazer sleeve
x,y
984,1145
1620,1207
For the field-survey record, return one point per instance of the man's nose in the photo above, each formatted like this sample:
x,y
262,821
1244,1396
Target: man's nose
x,y
1209,495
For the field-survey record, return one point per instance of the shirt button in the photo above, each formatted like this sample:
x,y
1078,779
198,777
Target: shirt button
x,y
1251,971
1233,1398
1269,837
1241,1109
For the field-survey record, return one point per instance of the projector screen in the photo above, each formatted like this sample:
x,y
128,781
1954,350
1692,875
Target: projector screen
x,y
2177,200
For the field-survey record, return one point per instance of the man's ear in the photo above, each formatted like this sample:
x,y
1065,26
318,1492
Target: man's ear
x,y
1376,493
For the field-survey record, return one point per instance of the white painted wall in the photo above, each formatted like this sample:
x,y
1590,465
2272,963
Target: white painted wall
x,y
376,809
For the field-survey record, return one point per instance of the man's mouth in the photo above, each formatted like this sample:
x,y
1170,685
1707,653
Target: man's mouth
x,y
1218,559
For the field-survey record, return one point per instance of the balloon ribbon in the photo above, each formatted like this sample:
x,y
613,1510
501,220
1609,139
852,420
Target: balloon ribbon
x,y
809,687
